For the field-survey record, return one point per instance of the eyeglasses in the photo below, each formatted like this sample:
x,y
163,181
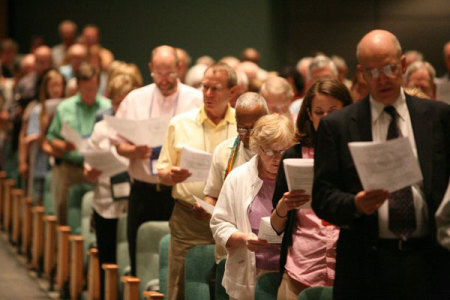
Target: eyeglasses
x,y
272,153
171,75
244,130
388,70
214,88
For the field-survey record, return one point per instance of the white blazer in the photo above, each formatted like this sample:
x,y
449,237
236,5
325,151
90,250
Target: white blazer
x,y
229,216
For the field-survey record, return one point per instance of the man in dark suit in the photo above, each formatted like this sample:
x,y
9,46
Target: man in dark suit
x,y
385,251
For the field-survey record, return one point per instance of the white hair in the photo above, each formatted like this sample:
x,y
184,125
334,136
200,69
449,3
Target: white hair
x,y
418,65
250,100
319,62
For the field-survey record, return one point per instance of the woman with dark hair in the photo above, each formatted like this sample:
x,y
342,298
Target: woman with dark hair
x,y
308,248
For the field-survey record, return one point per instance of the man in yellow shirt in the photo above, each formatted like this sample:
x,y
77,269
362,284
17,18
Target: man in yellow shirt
x,y
203,129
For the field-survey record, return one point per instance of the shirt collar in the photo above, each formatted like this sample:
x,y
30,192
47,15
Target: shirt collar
x,y
229,117
81,103
377,108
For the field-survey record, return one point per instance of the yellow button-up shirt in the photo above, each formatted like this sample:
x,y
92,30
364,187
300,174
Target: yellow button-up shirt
x,y
193,129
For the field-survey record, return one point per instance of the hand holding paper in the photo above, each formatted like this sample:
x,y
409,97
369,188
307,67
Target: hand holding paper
x,y
70,135
300,175
267,233
205,205
389,165
196,162
150,132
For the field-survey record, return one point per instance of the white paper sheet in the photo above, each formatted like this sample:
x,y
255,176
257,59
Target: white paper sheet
x,y
206,206
300,175
197,162
150,132
70,135
106,161
266,232
389,165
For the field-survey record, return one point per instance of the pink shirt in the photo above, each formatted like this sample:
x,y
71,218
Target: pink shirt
x,y
311,259
148,102
267,258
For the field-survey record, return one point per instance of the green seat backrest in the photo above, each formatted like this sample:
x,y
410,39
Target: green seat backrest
x,y
47,198
164,263
317,293
86,213
76,193
122,256
147,253
221,294
197,268
267,286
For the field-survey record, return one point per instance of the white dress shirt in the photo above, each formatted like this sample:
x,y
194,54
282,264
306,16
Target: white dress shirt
x,y
148,102
380,124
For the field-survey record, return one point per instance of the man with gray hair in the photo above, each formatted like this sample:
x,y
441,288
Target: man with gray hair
x,y
421,74
320,67
278,94
234,151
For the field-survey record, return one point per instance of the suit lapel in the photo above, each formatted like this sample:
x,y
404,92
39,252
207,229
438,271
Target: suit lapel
x,y
423,135
361,129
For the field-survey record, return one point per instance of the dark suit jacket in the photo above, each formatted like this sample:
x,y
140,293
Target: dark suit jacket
x,y
336,181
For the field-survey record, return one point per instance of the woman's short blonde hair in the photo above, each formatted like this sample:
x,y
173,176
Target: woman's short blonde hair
x,y
120,85
270,130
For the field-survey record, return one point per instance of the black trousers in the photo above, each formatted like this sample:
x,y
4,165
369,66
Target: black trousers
x,y
105,231
148,202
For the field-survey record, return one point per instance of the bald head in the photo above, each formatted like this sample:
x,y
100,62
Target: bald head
x,y
43,56
381,62
164,68
376,40
249,108
250,54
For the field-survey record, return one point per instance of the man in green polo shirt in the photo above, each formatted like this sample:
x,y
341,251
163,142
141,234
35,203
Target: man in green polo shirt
x,y
79,112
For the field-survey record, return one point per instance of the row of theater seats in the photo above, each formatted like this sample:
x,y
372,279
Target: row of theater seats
x,y
66,255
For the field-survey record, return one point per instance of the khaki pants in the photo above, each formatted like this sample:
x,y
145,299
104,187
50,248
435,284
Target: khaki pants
x,y
289,288
186,232
68,175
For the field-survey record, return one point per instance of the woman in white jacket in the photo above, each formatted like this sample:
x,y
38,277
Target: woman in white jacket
x,y
244,199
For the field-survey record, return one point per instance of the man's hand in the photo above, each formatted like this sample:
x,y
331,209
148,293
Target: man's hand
x,y
132,151
200,213
91,174
62,146
179,175
367,202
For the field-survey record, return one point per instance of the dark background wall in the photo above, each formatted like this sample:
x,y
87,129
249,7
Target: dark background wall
x,y
283,31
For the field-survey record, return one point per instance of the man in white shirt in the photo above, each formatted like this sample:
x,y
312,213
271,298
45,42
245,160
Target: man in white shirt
x,y
387,246
166,97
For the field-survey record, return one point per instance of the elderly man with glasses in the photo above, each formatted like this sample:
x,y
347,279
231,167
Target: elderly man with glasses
x,y
387,247
149,199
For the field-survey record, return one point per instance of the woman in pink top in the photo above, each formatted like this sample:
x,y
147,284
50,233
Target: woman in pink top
x,y
308,248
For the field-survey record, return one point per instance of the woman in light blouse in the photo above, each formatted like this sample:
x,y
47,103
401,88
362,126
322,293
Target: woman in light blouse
x,y
245,198
308,248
